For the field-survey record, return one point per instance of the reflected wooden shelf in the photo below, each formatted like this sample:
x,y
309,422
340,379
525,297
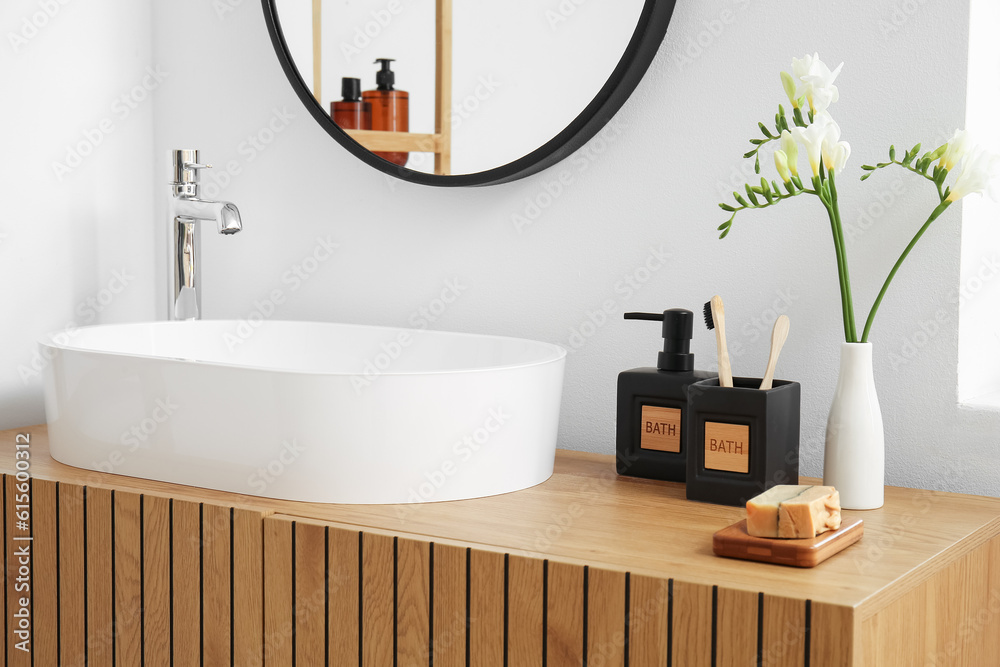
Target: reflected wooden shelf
x,y
586,563
411,142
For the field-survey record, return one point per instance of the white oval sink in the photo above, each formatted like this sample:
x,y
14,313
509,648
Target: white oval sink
x,y
332,413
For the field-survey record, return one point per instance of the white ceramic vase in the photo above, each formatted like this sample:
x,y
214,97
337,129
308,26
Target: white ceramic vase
x,y
854,459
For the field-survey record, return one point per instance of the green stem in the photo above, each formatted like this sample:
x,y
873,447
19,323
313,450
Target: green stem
x,y
840,270
845,271
899,262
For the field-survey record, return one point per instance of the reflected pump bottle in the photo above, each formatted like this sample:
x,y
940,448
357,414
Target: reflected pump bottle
x,y
653,406
351,113
390,108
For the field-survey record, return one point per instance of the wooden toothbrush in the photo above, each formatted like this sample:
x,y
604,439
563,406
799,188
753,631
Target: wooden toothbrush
x,y
778,336
715,318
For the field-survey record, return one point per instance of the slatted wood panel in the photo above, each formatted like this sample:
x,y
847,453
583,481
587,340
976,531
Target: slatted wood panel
x,y
278,594
692,625
310,594
486,607
248,594
564,631
156,580
344,590
649,621
216,592
127,573
186,577
72,557
412,602
99,578
525,582
784,631
448,640
377,615
605,617
736,623
299,589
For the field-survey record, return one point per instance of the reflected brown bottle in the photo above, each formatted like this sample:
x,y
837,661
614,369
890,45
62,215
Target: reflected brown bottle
x,y
390,108
351,113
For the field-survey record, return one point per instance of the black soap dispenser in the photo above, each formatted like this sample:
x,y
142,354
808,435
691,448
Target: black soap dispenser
x,y
652,403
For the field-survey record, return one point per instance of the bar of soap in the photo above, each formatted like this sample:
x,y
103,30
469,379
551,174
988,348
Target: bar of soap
x,y
794,511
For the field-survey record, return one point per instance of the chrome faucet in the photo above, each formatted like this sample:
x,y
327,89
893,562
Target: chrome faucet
x,y
186,210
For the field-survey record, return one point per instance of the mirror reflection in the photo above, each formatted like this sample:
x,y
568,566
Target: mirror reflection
x,y
445,87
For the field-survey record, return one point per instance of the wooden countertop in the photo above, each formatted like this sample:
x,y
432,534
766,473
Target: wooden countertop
x,y
586,514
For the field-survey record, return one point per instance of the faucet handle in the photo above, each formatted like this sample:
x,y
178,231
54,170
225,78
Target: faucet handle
x,y
185,165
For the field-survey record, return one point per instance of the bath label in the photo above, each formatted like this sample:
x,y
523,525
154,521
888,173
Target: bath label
x,y
727,447
660,429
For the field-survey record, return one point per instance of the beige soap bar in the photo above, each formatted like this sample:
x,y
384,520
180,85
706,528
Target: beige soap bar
x,y
794,511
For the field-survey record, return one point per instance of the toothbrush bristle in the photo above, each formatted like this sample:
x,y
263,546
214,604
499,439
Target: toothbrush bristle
x,y
709,320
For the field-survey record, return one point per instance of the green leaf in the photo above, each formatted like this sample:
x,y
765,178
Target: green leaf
x,y
892,153
750,153
756,165
866,176
740,200
764,130
775,187
724,225
757,142
724,234
790,186
881,165
868,167
937,152
727,207
751,195
915,150
947,191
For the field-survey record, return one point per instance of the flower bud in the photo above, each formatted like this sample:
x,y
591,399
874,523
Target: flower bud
x,y
781,163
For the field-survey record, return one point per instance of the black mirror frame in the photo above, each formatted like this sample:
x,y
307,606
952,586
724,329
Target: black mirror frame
x,y
649,33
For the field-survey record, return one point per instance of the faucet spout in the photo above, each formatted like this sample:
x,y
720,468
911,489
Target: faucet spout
x,y
187,212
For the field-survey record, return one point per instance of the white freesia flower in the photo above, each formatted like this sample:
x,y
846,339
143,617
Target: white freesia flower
x,y
781,164
835,155
958,146
823,130
980,173
816,81
788,83
791,151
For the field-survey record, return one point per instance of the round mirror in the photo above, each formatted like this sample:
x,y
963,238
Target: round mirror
x,y
469,92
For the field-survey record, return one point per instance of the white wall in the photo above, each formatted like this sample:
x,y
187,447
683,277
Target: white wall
x,y
65,231
651,181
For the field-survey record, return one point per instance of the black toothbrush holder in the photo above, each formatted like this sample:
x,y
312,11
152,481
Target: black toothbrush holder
x,y
741,440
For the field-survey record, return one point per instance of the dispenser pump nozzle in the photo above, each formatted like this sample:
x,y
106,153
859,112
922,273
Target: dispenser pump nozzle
x,y
678,328
385,78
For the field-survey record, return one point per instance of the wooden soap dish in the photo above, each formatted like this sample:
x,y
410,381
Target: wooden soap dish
x,y
735,542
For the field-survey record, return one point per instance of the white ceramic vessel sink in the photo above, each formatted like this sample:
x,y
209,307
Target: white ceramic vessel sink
x,y
331,413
